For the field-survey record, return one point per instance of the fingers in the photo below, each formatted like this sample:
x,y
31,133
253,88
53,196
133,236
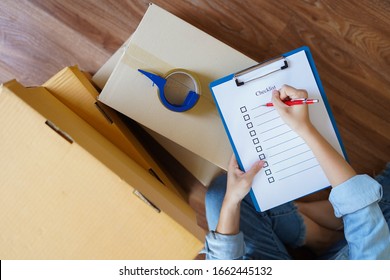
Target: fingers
x,y
233,167
233,163
276,99
292,93
251,173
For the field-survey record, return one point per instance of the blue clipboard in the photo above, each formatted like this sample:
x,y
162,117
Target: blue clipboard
x,y
283,65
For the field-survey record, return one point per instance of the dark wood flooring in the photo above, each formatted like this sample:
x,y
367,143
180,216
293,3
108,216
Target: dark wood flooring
x,y
350,42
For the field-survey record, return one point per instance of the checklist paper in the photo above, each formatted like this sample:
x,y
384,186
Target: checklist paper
x,y
258,133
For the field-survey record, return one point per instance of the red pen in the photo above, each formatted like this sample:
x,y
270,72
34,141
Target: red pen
x,y
292,102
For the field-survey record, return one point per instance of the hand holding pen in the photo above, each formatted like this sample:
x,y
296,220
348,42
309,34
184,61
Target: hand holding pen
x,y
296,117
292,102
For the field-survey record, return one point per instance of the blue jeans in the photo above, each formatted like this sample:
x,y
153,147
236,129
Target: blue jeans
x,y
268,234
265,233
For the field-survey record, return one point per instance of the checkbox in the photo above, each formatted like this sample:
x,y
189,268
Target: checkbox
x,y
268,172
246,117
271,179
265,164
259,149
256,141
261,156
252,133
243,109
249,125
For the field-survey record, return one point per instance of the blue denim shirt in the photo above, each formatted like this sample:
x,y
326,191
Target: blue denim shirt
x,y
365,227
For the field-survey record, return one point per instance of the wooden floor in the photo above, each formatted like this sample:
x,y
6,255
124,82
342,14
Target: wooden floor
x,y
350,42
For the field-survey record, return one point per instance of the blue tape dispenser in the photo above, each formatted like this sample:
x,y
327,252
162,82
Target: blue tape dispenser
x,y
178,89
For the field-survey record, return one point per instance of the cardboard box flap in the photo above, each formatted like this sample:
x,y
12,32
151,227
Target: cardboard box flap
x,y
73,89
105,152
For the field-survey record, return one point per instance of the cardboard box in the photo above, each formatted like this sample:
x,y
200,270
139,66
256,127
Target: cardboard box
x,y
163,42
203,170
73,89
66,192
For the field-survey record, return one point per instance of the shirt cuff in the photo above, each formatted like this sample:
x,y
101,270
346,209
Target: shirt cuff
x,y
224,247
354,194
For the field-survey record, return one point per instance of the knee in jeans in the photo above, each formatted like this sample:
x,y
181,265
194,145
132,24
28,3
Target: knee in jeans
x,y
218,185
213,201
216,191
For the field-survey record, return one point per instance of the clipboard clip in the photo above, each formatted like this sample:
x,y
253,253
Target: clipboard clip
x,y
260,70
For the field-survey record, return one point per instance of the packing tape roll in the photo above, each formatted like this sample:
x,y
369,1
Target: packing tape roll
x,y
182,90
179,89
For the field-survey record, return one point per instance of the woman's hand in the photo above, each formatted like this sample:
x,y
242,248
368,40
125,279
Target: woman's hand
x,y
238,182
296,117
238,185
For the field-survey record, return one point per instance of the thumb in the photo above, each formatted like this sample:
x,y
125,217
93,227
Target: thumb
x,y
251,173
276,99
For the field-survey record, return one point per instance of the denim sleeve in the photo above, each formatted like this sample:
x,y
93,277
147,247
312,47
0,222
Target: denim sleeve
x,y
224,247
365,227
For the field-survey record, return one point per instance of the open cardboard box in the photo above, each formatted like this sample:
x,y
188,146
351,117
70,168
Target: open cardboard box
x,y
67,192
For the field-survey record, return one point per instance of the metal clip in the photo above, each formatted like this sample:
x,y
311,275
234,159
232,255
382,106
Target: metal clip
x,y
260,70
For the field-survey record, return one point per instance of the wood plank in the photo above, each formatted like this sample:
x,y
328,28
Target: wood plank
x,y
37,45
